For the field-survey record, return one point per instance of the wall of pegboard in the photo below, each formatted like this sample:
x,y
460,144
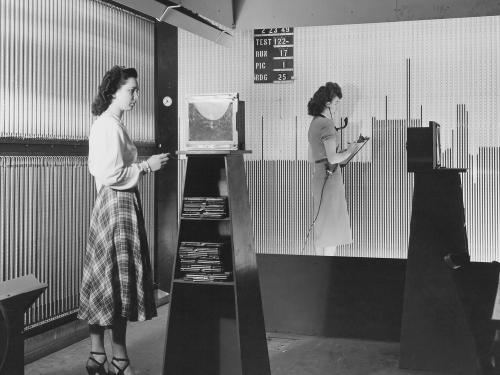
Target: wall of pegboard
x,y
393,75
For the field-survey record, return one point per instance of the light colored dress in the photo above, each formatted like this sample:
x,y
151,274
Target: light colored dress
x,y
332,227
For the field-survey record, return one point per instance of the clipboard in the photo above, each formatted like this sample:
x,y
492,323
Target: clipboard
x,y
359,146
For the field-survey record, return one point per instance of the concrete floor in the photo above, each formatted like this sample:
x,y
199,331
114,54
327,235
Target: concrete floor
x,y
288,354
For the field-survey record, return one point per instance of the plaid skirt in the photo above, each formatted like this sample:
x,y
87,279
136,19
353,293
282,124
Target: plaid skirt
x,y
117,277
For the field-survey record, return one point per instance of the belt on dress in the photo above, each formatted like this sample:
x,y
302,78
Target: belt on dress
x,y
330,168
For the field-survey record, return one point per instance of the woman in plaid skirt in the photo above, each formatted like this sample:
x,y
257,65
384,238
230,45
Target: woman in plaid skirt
x,y
117,283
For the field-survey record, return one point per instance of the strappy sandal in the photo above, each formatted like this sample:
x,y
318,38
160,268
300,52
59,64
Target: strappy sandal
x,y
121,371
94,367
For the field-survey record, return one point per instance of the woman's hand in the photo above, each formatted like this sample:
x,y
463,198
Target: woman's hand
x,y
362,139
351,147
157,162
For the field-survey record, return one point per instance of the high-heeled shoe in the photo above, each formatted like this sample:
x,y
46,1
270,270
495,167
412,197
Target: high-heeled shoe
x,y
121,370
94,367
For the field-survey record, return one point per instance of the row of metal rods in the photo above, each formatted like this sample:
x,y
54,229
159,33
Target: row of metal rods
x,y
50,70
46,204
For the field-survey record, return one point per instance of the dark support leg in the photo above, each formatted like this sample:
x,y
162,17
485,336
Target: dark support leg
x,y
436,332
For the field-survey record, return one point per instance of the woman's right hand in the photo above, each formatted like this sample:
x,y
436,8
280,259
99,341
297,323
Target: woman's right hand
x,y
157,162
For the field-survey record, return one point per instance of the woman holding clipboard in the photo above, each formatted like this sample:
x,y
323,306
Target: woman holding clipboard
x,y
331,219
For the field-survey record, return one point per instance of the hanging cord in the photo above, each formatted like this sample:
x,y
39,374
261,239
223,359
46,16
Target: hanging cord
x,y
327,174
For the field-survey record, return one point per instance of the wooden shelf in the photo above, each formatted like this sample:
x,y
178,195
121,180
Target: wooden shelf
x,y
217,327
215,283
205,219
213,152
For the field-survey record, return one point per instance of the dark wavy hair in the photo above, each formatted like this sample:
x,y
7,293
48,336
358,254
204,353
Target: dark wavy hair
x,y
111,82
323,95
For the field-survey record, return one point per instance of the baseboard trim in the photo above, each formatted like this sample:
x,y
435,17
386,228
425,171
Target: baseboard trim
x,y
55,339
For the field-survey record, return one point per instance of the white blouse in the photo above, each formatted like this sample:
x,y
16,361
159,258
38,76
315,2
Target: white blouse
x,y
112,154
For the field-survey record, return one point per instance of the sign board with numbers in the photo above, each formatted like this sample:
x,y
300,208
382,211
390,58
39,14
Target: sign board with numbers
x,y
273,55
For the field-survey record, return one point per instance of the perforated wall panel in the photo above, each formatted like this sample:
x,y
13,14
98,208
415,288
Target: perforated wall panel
x,y
46,206
393,75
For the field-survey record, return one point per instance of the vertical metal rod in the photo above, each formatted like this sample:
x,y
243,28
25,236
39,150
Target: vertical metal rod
x,y
3,184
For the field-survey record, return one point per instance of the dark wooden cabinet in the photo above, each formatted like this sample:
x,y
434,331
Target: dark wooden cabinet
x,y
436,332
217,327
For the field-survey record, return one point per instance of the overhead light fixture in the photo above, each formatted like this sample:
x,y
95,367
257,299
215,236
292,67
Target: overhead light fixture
x,y
183,18
180,17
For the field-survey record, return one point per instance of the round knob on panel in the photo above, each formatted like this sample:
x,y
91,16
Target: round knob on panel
x,y
167,101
